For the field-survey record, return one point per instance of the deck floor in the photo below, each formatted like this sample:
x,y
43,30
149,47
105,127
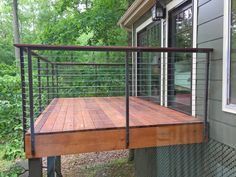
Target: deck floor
x,y
74,125
77,114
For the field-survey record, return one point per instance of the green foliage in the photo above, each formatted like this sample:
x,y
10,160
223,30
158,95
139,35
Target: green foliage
x,y
50,22
6,49
102,19
12,171
9,168
10,110
98,21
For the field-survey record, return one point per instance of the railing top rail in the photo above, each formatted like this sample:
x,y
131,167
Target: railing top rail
x,y
112,48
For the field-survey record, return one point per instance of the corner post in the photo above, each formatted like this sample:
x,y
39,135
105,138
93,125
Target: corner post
x,y
206,133
31,101
23,93
127,97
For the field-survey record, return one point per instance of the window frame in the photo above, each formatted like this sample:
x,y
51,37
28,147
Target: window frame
x,y
226,105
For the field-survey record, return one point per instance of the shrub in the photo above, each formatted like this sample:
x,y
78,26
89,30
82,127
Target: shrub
x,y
10,111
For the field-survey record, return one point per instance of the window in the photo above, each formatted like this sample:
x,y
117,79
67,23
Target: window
x,y
148,64
180,64
229,71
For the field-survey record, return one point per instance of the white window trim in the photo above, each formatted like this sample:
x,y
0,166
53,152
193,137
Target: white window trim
x,y
164,93
174,4
138,29
231,108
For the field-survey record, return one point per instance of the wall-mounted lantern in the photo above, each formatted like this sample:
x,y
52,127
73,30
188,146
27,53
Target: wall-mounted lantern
x,y
158,11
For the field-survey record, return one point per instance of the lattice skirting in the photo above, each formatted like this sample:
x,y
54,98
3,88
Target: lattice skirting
x,y
212,159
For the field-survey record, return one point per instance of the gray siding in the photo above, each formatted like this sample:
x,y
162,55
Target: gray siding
x,y
161,162
210,34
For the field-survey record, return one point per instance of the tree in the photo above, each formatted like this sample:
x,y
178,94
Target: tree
x,y
16,31
98,22
6,42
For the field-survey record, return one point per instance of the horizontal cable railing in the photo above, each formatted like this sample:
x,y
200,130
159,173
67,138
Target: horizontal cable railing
x,y
170,77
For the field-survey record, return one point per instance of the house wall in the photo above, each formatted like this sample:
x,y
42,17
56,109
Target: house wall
x,y
215,157
210,35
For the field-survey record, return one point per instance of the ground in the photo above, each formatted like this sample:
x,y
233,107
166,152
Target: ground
x,y
102,164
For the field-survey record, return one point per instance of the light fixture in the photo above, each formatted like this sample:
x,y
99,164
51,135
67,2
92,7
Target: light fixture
x,y
158,11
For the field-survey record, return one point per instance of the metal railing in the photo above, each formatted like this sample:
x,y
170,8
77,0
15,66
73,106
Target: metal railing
x,y
171,77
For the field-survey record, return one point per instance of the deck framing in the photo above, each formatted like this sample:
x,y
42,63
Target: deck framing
x,y
64,143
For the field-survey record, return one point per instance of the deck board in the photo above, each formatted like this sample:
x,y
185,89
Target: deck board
x,y
72,114
75,125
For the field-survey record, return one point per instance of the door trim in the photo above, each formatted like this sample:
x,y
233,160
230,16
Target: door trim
x,y
171,6
138,29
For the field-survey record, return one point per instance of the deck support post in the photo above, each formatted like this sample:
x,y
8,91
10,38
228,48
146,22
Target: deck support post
x,y
35,167
54,166
58,166
50,166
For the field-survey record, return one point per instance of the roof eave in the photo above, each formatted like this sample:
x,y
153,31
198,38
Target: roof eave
x,y
134,12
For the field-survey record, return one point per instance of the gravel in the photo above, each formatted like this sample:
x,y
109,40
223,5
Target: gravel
x,y
71,164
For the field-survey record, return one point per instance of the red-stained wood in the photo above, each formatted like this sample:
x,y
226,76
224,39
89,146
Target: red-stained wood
x,y
53,113
59,123
77,125
72,114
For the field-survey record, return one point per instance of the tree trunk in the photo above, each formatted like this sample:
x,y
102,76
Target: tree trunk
x,y
16,31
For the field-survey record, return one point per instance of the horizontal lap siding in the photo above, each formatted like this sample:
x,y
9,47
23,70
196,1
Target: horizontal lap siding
x,y
210,34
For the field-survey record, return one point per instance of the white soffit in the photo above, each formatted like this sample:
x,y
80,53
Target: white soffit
x,y
134,12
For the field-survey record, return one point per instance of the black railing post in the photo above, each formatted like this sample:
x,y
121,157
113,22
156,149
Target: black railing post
x,y
23,93
96,78
127,97
39,87
47,75
206,133
57,81
31,101
53,81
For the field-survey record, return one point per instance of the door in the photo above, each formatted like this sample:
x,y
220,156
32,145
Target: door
x,y
148,64
180,64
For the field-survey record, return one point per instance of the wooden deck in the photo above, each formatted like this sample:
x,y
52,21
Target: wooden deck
x,y
78,125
